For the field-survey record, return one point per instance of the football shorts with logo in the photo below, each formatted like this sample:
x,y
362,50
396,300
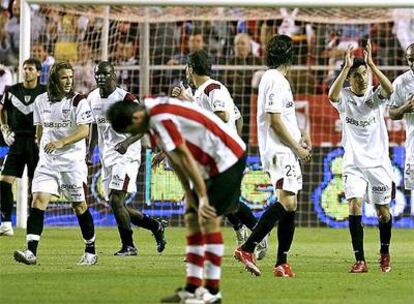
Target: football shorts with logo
x,y
120,176
373,185
61,178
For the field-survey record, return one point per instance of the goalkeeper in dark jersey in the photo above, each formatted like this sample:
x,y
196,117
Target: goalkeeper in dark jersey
x,y
16,119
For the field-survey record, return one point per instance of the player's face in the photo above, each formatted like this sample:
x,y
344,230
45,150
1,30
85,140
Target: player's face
x,y
30,73
104,77
65,80
137,124
410,57
359,79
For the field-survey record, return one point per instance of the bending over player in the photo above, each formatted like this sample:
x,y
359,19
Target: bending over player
x,y
367,169
214,97
119,171
209,160
62,119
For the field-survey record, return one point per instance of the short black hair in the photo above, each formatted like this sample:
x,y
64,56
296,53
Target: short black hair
x,y
200,62
358,61
34,61
120,114
279,51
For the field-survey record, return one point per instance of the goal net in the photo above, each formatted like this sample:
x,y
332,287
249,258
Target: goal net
x,y
235,39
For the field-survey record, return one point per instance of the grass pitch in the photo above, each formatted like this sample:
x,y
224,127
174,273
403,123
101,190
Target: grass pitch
x,y
320,258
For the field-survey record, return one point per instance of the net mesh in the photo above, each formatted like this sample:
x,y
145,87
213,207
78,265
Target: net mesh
x,y
235,39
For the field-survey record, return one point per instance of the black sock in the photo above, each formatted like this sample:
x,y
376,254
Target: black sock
x,y
285,232
6,203
88,230
126,237
246,216
385,235
34,228
357,236
234,220
190,288
264,226
146,222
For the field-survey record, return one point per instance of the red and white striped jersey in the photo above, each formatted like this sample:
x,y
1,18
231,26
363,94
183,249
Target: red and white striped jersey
x,y
213,145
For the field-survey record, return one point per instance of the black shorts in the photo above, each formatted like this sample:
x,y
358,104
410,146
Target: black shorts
x,y
223,190
23,152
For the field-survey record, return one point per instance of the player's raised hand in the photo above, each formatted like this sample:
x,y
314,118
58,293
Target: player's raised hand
x,y
368,53
349,57
176,92
53,146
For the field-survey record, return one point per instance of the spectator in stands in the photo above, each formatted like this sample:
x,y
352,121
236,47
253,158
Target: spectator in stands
x,y
239,81
404,26
39,51
7,56
6,79
84,77
128,79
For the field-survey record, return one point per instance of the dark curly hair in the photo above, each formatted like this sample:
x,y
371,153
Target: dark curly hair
x,y
53,87
200,62
358,61
279,51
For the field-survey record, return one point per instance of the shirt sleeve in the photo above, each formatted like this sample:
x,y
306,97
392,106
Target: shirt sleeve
x,y
89,100
37,119
273,98
217,100
83,113
168,132
4,98
338,104
396,100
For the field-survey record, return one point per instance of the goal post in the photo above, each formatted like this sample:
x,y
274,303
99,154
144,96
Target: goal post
x,y
152,28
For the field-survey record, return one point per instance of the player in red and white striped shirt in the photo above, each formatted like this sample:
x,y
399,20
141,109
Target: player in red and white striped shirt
x,y
209,160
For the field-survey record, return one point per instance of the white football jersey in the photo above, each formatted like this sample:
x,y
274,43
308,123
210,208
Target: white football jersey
x,y
60,119
213,96
214,146
364,133
107,137
275,96
403,90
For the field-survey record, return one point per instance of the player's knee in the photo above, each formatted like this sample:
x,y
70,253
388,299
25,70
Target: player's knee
x,y
79,208
383,213
209,225
355,206
288,201
116,199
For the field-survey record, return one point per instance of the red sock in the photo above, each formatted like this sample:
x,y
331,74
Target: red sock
x,y
195,259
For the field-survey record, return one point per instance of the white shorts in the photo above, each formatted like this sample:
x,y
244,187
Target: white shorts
x,y
285,173
121,176
49,178
409,173
373,185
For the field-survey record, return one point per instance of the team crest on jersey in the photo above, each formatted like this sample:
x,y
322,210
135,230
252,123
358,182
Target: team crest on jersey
x,y
65,113
27,98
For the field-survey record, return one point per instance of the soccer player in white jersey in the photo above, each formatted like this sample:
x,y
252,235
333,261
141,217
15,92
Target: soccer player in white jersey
x,y
213,96
402,106
209,160
62,119
281,147
119,171
367,168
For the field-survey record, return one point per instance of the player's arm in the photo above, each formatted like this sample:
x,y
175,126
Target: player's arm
x,y
335,89
187,170
39,133
397,113
223,115
283,134
8,134
122,146
386,85
80,133
239,125
92,139
181,93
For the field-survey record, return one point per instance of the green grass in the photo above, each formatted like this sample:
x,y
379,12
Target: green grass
x,y
320,258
